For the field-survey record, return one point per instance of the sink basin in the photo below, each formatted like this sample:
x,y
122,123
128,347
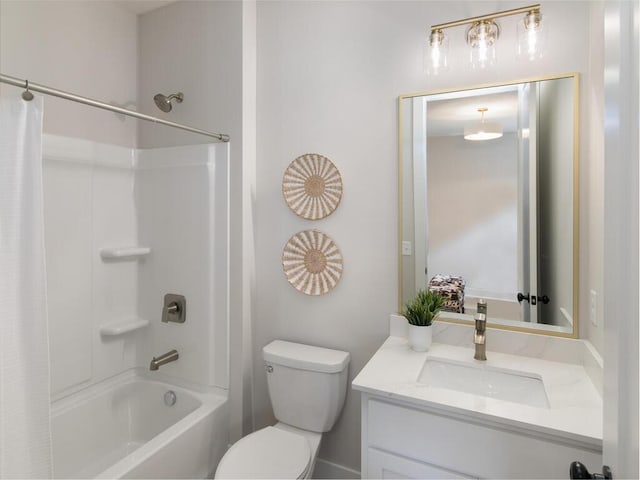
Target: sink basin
x,y
509,385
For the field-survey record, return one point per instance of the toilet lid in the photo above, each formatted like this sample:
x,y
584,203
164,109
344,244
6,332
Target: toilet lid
x,y
267,453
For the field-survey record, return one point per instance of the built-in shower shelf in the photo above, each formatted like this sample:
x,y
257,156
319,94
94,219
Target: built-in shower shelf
x,y
124,252
123,326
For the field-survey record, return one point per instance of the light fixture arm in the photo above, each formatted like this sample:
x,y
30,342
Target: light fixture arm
x,y
492,16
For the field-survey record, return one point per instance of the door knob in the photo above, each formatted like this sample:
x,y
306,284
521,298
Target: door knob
x,y
578,470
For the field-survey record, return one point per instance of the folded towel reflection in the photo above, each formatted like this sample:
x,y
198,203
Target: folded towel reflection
x,y
452,289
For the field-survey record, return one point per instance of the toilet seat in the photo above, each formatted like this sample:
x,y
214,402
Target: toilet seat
x,y
267,453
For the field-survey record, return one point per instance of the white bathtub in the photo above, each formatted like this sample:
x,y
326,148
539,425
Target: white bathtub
x,y
122,428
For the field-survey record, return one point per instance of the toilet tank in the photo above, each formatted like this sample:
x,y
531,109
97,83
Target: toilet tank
x,y
307,385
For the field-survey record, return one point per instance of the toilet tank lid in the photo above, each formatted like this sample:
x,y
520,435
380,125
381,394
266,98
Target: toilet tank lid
x,y
305,357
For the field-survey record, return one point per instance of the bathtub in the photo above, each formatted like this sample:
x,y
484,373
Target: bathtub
x,y
124,428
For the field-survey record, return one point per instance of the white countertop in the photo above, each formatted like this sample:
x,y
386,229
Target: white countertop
x,y
575,406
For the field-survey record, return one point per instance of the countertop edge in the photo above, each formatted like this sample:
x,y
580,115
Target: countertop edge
x,y
572,439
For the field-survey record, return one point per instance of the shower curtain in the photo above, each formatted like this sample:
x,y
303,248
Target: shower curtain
x,y
25,433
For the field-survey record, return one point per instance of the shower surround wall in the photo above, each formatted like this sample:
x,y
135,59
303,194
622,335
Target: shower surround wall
x,y
181,199
88,205
171,200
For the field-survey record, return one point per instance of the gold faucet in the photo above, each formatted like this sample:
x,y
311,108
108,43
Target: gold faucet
x,y
479,337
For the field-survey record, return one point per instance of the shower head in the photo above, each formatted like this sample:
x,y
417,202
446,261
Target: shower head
x,y
164,102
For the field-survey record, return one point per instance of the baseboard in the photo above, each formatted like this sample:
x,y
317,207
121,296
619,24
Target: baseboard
x,y
325,469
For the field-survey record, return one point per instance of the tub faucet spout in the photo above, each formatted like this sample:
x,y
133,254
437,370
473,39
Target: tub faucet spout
x,y
157,362
479,337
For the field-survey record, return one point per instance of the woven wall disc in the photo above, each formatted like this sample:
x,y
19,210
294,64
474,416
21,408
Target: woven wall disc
x,y
312,262
312,186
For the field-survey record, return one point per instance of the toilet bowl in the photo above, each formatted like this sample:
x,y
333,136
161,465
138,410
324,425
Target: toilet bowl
x,y
307,387
272,452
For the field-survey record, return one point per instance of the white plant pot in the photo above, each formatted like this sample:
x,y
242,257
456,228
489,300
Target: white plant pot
x,y
420,337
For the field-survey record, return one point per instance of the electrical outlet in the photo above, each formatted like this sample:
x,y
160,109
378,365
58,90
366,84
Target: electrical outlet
x,y
593,307
406,248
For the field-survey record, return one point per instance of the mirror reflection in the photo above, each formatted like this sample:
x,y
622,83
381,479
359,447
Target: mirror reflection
x,y
489,204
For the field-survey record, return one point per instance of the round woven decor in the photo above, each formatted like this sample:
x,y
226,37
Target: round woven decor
x,y
312,262
312,186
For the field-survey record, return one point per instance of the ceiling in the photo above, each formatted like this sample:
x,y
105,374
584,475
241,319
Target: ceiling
x,y
143,6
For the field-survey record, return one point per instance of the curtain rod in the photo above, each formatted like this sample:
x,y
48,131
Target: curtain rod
x,y
17,82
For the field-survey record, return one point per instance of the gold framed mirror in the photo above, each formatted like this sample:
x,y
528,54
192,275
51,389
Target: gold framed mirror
x,y
501,215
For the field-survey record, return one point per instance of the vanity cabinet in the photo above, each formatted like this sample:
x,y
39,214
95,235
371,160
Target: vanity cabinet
x,y
401,440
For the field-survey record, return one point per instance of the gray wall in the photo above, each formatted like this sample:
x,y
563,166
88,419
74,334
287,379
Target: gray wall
x,y
329,74
472,198
87,48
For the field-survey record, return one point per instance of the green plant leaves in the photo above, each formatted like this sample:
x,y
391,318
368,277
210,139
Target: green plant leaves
x,y
423,308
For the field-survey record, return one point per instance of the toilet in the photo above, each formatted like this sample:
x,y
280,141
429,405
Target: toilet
x,y
307,387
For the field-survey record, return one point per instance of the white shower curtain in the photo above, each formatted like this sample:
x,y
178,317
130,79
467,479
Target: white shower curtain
x,y
25,433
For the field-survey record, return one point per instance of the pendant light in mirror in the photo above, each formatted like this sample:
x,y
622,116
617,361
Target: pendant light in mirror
x,y
483,130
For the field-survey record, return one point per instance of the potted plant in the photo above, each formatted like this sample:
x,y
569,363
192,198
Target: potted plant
x,y
420,312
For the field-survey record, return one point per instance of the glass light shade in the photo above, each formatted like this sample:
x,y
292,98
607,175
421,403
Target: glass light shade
x,y
531,36
482,37
438,49
483,131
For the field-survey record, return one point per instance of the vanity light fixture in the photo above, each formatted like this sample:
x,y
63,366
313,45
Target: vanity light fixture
x,y
531,35
439,45
481,36
483,130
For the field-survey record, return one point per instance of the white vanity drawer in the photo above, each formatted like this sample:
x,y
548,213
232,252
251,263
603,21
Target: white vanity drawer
x,y
461,445
385,465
